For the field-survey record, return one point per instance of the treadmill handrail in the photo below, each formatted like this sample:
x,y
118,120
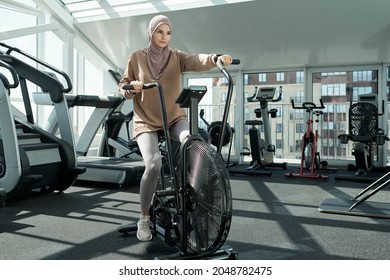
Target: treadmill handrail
x,y
15,78
28,72
62,73
93,101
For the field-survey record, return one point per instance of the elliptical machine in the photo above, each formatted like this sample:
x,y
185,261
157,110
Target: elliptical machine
x,y
192,207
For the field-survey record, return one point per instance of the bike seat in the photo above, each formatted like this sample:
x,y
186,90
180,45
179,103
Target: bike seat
x,y
253,122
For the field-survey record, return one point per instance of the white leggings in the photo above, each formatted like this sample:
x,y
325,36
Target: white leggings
x,y
148,144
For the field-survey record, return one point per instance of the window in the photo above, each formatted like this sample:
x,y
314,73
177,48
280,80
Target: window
x,y
262,77
297,114
362,76
279,144
299,128
280,76
333,89
337,89
279,112
279,128
11,20
300,77
357,91
299,97
246,79
223,97
326,74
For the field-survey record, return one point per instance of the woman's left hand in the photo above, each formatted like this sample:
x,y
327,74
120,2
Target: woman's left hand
x,y
226,59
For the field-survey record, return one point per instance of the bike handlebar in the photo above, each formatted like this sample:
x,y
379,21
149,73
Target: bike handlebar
x,y
308,105
235,61
155,84
145,86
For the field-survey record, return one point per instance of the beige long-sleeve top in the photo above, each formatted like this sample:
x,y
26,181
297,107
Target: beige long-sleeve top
x,y
147,110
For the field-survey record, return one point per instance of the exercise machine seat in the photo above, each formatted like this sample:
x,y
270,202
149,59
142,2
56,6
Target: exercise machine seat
x,y
363,125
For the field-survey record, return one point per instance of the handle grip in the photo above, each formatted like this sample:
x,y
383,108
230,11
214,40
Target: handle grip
x,y
13,73
235,61
145,86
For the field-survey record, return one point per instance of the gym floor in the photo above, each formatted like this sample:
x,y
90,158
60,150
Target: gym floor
x,y
274,218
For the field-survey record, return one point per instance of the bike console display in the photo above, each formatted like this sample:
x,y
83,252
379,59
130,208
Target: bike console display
x,y
188,93
266,93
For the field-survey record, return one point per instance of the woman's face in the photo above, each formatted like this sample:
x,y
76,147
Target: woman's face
x,y
162,35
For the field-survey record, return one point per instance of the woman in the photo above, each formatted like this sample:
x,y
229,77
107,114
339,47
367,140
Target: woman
x,y
158,63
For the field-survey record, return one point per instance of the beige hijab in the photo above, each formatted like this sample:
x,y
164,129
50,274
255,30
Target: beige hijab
x,y
157,57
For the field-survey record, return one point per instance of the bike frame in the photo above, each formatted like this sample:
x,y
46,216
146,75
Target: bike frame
x,y
309,137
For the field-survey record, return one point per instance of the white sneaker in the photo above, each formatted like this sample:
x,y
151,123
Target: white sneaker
x,y
143,229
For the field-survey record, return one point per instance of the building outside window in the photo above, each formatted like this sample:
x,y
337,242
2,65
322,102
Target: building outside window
x,y
337,90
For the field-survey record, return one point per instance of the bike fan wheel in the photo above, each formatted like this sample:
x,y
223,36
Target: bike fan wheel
x,y
209,199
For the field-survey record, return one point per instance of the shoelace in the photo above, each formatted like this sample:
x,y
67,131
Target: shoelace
x,y
144,224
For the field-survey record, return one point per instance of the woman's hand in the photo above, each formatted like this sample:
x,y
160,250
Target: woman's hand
x,y
129,94
138,85
226,59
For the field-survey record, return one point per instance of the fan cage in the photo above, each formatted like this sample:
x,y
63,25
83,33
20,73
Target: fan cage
x,y
209,198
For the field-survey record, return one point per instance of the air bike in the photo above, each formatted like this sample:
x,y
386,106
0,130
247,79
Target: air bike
x,y
192,207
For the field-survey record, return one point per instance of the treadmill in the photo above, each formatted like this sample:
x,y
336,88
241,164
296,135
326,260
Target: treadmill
x,y
122,171
100,168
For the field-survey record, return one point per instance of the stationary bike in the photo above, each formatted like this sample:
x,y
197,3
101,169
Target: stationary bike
x,y
192,207
310,158
262,150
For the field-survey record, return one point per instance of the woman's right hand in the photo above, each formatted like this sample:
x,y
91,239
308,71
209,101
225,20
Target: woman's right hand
x,y
129,94
138,85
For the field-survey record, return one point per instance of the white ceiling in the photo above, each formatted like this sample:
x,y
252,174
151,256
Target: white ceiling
x,y
92,10
263,34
